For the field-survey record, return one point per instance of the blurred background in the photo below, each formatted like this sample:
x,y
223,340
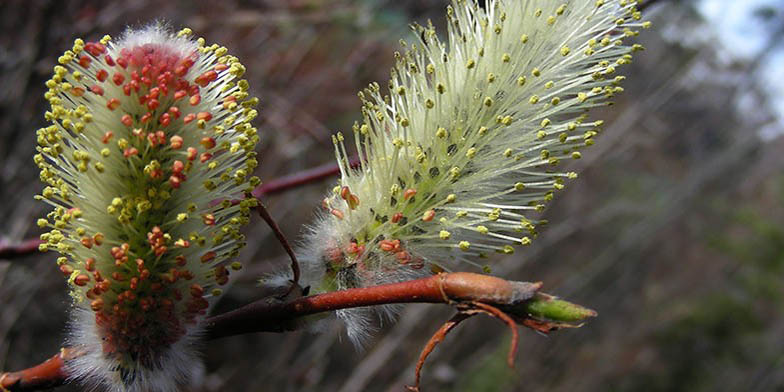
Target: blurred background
x,y
673,232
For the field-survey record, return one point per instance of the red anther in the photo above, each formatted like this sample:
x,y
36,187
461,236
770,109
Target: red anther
x,y
77,91
87,242
153,104
174,181
409,193
130,151
67,270
127,89
85,61
164,120
192,152
188,118
220,67
205,78
152,140
146,70
207,257
197,291
94,48
228,100
181,261
160,250
89,264
135,85
81,280
182,243
386,245
155,92
146,117
134,283
96,89
337,213
178,167
193,90
160,136
176,142
96,304
97,275
345,192
113,103
129,295
101,75
396,217
122,62
144,274
146,81
180,70
104,285
396,244
92,293
353,201
403,257
206,116
118,78
175,111
428,215
109,60
106,137
179,94
127,120
352,248
156,174
207,142
208,219
194,100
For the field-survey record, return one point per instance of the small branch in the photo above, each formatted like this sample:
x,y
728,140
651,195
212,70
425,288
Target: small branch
x,y
271,315
12,251
283,241
471,293
48,374
437,338
304,177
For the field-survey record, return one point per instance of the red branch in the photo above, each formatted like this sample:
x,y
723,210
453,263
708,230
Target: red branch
x,y
276,315
11,251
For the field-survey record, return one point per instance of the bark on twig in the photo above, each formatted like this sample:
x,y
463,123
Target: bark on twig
x,y
277,315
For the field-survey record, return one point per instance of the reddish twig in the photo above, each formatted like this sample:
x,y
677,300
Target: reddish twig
x,y
270,315
11,251
275,315
48,374
437,338
304,177
466,310
283,241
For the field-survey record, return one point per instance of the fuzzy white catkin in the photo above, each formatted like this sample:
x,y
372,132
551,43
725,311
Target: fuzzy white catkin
x,y
150,140
465,144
